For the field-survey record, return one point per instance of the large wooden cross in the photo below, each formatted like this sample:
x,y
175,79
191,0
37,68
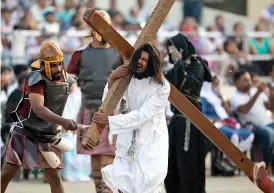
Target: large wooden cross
x,y
115,93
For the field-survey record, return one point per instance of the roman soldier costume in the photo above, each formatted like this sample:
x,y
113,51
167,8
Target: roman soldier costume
x,y
32,141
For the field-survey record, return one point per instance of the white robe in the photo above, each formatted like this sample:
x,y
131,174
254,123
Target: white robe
x,y
146,174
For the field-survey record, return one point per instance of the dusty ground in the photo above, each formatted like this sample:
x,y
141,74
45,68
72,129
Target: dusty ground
x,y
214,185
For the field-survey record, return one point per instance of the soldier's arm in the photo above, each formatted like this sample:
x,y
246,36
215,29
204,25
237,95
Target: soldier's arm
x,y
73,66
37,105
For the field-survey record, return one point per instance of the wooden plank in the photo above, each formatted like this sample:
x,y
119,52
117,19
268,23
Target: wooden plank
x,y
176,98
114,95
182,104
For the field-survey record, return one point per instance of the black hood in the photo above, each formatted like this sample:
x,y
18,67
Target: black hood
x,y
182,44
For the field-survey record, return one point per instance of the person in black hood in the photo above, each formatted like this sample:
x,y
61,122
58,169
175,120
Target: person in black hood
x,y
187,145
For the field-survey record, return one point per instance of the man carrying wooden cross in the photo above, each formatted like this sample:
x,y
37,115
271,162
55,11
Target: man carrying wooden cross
x,y
140,165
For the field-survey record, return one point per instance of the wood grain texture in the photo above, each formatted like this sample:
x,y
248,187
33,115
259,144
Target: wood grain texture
x,y
176,97
115,40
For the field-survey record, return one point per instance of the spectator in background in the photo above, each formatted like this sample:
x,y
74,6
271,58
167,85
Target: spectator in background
x,y
143,13
212,45
255,80
25,4
190,28
238,35
10,4
6,79
33,46
4,101
5,50
66,14
19,38
271,74
251,106
58,6
133,16
37,9
71,158
69,44
220,23
267,16
240,57
80,11
216,108
27,22
193,9
19,70
117,20
78,17
6,21
90,4
12,102
260,45
49,25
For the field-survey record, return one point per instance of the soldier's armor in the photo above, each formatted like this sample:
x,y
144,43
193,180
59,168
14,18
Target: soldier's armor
x,y
55,98
96,65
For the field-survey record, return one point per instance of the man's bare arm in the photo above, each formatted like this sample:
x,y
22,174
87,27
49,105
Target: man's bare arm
x,y
270,103
37,105
117,73
246,107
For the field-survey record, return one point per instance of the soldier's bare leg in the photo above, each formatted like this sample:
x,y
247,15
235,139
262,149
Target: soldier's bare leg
x,y
54,179
7,174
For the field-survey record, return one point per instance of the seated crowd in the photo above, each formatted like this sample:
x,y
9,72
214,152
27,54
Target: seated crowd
x,y
246,118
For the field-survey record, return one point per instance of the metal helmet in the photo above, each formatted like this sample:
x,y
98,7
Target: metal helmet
x,y
49,53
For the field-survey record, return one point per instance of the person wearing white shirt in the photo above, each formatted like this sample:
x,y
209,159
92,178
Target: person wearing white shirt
x,y
50,25
141,160
268,13
251,106
37,9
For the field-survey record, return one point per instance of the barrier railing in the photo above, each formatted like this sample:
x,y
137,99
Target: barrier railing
x,y
162,35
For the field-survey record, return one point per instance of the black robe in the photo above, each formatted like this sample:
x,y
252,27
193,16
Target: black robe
x,y
187,145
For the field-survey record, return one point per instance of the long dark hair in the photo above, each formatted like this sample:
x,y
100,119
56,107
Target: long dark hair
x,y
154,62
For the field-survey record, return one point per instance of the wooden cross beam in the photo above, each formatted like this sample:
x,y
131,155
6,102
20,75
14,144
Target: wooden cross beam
x,y
115,93
118,88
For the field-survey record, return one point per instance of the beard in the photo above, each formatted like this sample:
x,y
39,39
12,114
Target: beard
x,y
57,76
141,75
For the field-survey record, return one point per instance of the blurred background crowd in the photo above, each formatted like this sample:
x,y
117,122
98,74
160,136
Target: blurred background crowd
x,y
230,48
